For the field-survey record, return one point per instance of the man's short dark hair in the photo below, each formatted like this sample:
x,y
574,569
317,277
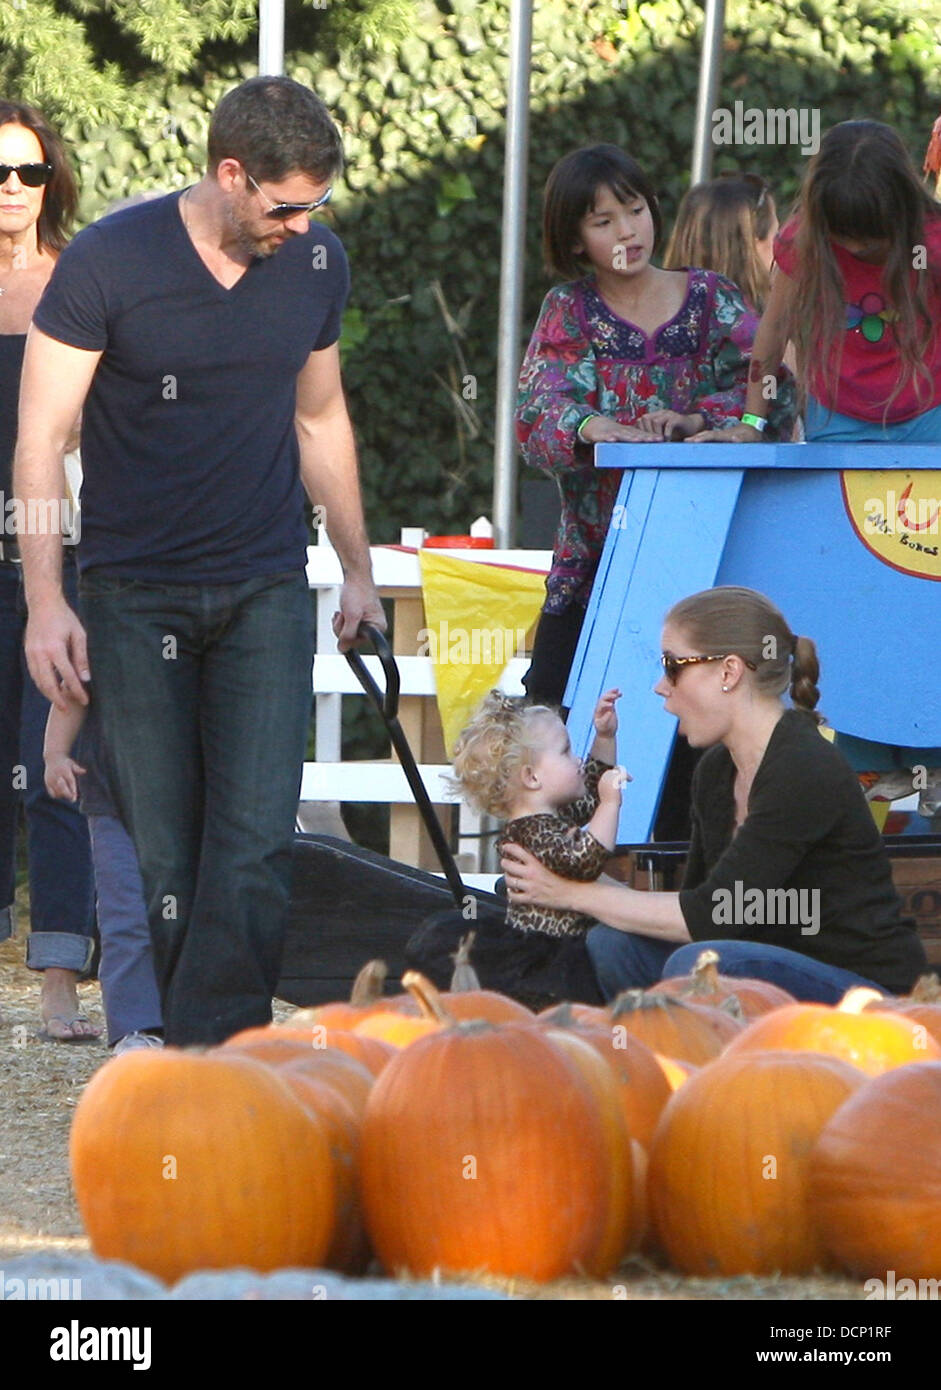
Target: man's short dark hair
x,y
274,126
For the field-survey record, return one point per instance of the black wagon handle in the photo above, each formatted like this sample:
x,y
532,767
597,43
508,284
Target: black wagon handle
x,y
387,703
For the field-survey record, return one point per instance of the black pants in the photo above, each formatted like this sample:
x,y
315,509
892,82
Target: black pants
x,y
553,652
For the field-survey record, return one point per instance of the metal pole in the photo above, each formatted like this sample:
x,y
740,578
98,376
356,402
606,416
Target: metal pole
x,y
512,259
270,38
710,71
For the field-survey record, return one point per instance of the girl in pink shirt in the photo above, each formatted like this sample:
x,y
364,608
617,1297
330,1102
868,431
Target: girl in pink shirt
x,y
858,290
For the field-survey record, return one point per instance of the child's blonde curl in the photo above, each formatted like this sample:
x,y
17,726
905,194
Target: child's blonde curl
x,y
493,749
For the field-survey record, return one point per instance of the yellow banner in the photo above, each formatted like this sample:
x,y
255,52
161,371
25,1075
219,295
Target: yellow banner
x,y
477,616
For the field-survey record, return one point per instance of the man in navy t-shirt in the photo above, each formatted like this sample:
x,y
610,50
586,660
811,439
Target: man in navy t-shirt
x,y
198,335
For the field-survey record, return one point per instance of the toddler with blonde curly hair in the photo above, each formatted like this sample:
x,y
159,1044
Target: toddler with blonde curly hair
x,y
515,761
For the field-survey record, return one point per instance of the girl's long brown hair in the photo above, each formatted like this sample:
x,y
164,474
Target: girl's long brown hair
x,y
716,228
862,185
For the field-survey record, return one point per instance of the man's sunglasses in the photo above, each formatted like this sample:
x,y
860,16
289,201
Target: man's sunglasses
x,y
673,665
280,212
32,175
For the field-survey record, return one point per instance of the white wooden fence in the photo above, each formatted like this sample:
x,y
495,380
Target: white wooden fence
x,y
397,573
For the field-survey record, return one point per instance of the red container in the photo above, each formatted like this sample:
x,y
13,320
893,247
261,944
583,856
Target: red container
x,y
459,543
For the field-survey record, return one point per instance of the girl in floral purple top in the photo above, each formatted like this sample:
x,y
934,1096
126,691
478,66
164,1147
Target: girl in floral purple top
x,y
627,352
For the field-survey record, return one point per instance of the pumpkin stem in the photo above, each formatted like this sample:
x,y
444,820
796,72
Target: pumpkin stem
x,y
464,978
628,1000
367,987
855,1000
705,975
631,999
732,1006
927,990
426,997
561,1016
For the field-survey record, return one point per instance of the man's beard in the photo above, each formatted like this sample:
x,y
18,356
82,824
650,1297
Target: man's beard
x,y
253,245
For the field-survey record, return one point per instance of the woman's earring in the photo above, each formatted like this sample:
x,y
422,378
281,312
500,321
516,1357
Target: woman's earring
x,y
726,689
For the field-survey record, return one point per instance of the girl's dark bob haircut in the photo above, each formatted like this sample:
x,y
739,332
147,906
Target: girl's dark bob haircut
x,y
571,191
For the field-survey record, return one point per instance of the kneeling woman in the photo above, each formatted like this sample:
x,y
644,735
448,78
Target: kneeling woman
x,y
775,807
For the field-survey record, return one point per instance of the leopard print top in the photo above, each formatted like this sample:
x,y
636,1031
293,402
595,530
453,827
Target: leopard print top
x,y
558,842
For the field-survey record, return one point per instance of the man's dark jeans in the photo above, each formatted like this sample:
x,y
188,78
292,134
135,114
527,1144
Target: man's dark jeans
x,y
205,696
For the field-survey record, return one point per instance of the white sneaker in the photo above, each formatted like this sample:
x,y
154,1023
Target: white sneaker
x,y
132,1041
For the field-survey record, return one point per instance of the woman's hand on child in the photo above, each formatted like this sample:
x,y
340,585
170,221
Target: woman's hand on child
x,y
670,424
601,430
60,778
735,434
605,716
528,881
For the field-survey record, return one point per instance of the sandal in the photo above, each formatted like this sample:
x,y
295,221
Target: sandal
x,y
45,1036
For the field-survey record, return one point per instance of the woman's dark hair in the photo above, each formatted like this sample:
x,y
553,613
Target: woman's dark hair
x,y
274,126
862,184
60,198
717,227
734,621
571,191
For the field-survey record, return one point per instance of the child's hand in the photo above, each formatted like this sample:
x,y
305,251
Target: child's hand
x,y
61,772
670,424
605,717
734,434
600,429
610,784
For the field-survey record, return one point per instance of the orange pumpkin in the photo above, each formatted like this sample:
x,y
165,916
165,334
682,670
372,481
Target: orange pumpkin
x,y
370,1051
581,1013
350,1077
619,1228
349,1250
922,1006
483,1150
692,1032
337,1087
875,1189
399,1029
365,998
729,1164
183,1161
643,1088
676,1072
706,986
874,1042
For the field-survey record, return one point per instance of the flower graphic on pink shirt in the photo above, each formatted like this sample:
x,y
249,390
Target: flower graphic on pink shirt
x,y
870,316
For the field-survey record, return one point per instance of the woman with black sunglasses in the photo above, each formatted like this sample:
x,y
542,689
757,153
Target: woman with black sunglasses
x,y
38,198
787,877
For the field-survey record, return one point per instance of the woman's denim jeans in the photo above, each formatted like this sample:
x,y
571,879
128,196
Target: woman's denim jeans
x,y
61,883
204,693
624,960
